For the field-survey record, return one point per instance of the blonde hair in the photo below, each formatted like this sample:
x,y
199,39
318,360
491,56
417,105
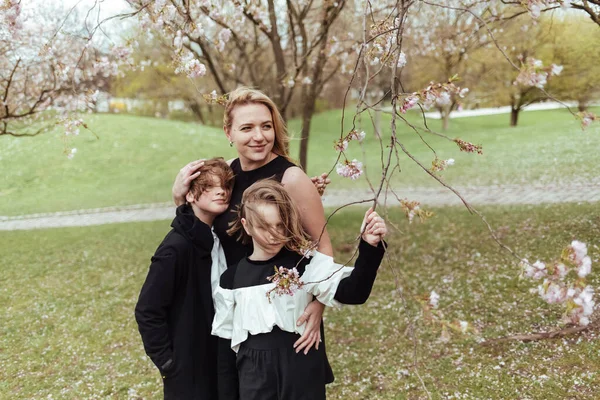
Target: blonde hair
x,y
245,95
269,191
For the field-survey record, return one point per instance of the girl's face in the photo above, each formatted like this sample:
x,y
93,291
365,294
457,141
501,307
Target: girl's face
x,y
252,133
262,236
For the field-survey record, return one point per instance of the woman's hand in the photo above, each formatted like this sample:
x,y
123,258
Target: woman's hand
x,y
313,314
373,228
321,182
183,179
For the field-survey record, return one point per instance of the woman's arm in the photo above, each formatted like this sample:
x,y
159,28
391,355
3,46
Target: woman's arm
x,y
304,193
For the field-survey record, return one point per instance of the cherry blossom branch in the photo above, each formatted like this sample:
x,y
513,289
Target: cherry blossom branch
x,y
532,337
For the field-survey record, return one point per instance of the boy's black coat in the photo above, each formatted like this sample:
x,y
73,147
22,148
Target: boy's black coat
x,y
175,310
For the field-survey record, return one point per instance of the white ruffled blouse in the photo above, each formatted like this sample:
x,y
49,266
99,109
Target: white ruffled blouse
x,y
247,310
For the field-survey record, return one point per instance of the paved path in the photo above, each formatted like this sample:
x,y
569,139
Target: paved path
x,y
504,194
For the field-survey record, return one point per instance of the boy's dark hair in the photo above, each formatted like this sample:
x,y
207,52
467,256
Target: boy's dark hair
x,y
213,168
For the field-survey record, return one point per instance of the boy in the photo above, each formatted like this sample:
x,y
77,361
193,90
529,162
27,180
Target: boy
x,y
175,308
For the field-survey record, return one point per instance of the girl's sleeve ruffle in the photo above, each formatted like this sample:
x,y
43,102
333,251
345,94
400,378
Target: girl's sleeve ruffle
x,y
224,307
322,277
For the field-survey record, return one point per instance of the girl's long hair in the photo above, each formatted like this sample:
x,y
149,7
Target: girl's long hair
x,y
245,95
269,191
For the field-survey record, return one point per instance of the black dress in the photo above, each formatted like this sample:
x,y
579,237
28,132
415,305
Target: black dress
x,y
234,250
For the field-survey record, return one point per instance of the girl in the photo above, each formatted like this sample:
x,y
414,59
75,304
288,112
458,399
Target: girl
x,y
262,324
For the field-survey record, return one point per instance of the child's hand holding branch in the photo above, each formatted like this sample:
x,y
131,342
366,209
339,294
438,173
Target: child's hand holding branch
x,y
373,228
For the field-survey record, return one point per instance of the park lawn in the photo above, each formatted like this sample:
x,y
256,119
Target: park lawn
x,y
135,159
67,298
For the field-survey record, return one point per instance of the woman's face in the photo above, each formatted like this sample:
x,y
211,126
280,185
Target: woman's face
x,y
252,133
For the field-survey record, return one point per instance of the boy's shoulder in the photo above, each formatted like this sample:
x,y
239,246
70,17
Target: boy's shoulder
x,y
173,243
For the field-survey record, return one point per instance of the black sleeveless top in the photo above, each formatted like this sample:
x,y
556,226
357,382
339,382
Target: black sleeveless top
x,y
234,250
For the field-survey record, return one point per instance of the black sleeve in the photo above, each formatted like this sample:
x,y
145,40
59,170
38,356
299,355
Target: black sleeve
x,y
153,306
356,288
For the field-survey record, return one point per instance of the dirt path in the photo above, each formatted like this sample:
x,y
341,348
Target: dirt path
x,y
483,195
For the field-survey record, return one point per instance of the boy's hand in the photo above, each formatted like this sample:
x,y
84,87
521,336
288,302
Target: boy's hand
x,y
321,182
373,228
183,179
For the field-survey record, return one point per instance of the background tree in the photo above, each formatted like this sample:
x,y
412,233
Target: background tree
x,y
574,45
45,64
442,42
277,47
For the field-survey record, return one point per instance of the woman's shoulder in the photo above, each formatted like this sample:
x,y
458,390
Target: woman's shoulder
x,y
295,175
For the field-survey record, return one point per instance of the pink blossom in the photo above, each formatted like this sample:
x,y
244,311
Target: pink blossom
x,y
443,99
340,145
224,36
560,270
401,60
409,103
553,292
71,153
556,69
287,281
355,135
190,66
578,250
585,267
434,299
582,306
468,147
350,169
537,270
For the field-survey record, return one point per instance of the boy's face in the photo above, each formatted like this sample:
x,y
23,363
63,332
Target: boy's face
x,y
214,200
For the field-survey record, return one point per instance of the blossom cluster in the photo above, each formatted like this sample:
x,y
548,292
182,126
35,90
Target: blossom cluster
x,y
286,280
189,65
564,282
214,98
381,50
413,209
10,10
342,144
468,147
436,94
534,7
433,314
439,165
533,73
587,118
350,169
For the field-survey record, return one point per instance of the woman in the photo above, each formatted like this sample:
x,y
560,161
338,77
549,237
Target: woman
x,y
253,124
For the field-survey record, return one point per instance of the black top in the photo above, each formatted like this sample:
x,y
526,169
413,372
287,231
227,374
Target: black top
x,y
233,249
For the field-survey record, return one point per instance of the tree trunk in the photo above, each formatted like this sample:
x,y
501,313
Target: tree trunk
x,y
514,116
197,110
582,106
445,119
307,112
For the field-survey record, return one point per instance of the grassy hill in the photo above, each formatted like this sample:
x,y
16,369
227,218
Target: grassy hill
x,y
68,331
136,159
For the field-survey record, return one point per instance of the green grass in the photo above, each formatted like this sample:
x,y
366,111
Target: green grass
x,y
67,299
136,158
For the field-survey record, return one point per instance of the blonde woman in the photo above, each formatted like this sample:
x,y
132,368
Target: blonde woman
x,y
255,127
